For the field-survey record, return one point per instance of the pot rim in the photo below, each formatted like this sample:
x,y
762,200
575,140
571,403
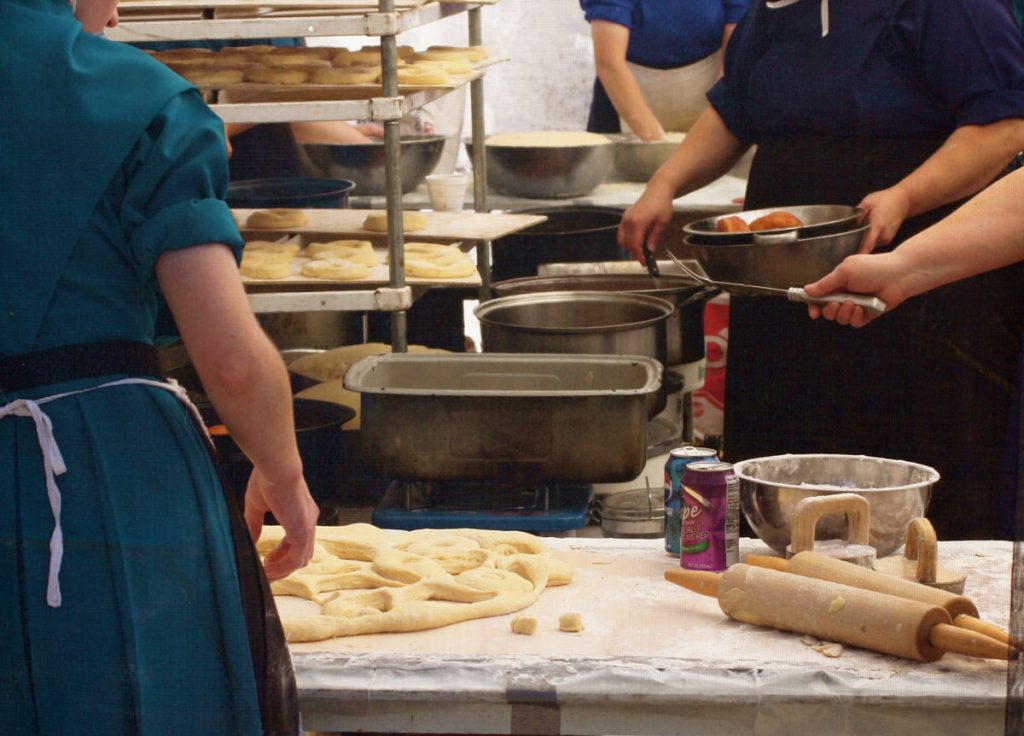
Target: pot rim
x,y
933,475
484,312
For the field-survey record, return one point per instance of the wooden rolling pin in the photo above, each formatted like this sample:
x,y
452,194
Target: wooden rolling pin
x,y
837,612
822,567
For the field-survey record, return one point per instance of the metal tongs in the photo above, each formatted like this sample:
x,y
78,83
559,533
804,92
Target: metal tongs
x,y
871,304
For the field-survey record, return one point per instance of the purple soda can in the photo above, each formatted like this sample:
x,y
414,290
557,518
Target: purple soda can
x,y
678,459
711,517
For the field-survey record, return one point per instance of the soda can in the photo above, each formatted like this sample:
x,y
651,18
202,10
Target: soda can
x,y
678,459
710,518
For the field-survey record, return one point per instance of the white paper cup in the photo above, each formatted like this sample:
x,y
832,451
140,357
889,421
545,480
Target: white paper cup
x,y
447,191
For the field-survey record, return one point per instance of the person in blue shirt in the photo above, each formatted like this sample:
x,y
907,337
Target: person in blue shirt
x,y
905,108
655,61
133,600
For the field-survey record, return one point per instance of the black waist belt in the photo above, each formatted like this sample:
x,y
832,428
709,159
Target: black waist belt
x,y
72,362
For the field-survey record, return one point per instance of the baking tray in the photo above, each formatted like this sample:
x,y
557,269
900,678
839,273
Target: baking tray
x,y
515,417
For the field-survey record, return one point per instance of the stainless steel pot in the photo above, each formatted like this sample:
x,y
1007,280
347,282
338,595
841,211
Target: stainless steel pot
x,y
588,322
685,326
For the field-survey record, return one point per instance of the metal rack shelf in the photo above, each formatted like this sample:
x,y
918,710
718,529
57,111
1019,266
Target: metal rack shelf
x,y
389,107
369,24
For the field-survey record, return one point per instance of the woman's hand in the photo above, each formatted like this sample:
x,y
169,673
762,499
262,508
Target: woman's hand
x,y
645,221
886,210
882,275
293,507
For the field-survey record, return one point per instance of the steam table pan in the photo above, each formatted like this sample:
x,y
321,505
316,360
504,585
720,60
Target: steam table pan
x,y
507,417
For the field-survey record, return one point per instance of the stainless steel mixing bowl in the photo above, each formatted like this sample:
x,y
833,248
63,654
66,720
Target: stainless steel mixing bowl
x,y
637,160
777,261
771,487
546,172
363,163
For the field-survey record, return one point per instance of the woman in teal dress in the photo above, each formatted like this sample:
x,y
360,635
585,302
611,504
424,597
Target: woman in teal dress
x,y
131,599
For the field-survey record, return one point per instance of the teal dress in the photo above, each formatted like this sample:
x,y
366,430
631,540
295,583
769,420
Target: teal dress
x,y
108,160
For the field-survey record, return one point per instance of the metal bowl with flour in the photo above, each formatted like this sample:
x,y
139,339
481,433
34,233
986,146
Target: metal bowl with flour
x,y
896,491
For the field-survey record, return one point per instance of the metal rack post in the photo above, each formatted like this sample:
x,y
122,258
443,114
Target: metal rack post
x,y
476,95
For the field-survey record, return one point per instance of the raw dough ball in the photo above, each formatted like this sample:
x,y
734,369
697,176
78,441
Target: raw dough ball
x,y
548,139
571,622
411,222
335,269
277,218
526,625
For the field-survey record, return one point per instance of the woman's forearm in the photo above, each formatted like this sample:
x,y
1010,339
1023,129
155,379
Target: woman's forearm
x,y
241,370
610,43
965,164
707,152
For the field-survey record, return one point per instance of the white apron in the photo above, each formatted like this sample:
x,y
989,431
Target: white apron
x,y
677,96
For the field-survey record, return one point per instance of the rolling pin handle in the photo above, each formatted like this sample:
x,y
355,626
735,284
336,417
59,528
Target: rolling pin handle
x,y
923,546
699,581
767,561
955,639
973,623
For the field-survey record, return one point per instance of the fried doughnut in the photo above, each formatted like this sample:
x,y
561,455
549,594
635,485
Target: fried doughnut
x,y
356,251
266,75
439,54
411,222
336,269
453,66
266,265
776,221
280,217
265,246
422,75
208,77
350,75
732,224
426,269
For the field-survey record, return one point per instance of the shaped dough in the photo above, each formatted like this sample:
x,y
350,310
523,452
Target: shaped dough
x,y
411,222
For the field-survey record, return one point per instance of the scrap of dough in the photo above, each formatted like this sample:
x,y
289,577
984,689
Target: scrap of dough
x,y
837,604
525,625
411,222
571,622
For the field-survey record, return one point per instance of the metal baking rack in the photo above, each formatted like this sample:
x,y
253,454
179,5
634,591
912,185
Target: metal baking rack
x,y
387,108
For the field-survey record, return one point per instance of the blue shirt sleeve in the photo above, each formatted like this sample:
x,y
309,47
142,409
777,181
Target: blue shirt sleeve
x,y
734,10
988,88
614,11
178,180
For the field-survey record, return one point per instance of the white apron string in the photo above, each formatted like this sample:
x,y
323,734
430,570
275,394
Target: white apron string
x,y
776,4
53,461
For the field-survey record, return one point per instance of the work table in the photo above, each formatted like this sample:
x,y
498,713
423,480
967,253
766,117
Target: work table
x,y
653,659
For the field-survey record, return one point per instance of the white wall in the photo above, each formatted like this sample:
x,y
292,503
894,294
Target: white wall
x,y
546,84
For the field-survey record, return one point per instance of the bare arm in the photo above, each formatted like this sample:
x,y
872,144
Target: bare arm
x,y
985,234
968,161
610,43
707,152
246,380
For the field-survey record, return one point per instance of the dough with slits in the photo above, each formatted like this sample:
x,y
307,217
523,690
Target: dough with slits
x,y
367,580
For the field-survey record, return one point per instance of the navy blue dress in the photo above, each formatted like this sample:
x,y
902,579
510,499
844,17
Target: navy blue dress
x,y
837,116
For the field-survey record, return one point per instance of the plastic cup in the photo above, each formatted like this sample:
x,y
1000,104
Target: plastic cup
x,y
447,191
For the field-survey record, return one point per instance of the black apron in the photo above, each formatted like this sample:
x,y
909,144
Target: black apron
x,y
932,382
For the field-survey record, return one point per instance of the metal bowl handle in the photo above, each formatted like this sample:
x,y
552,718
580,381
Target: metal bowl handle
x,y
790,236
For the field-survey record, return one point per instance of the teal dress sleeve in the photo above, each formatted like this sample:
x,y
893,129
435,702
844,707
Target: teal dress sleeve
x,y
178,178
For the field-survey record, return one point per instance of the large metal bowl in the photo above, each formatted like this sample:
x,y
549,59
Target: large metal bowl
x,y
817,219
771,487
779,262
637,160
363,163
546,172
